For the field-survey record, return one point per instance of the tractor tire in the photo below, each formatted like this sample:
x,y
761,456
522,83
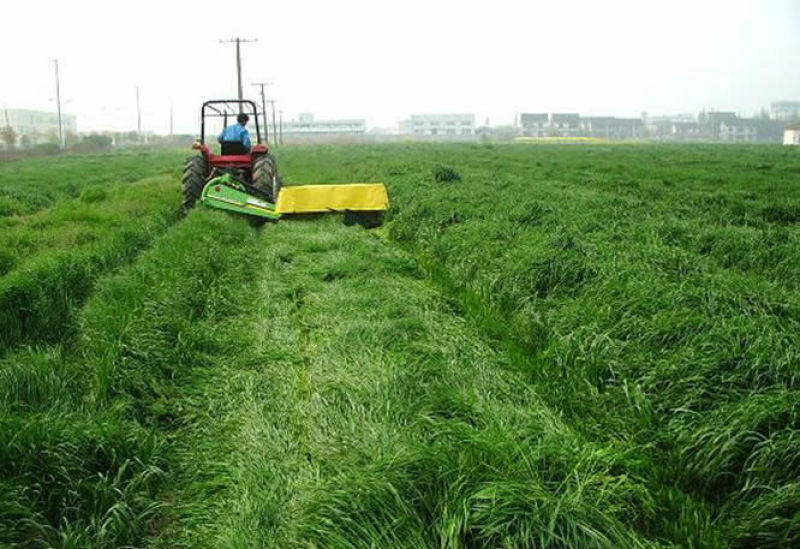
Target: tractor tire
x,y
193,180
266,178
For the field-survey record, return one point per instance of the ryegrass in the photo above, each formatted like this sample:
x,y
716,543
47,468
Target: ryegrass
x,y
30,185
54,257
657,305
566,347
86,448
368,415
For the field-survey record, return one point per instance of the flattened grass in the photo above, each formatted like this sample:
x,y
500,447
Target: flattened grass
x,y
368,415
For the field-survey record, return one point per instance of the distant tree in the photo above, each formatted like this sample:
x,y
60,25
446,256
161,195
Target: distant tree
x,y
25,141
768,130
98,141
9,136
506,133
51,136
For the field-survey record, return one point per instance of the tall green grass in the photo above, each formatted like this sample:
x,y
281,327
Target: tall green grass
x,y
33,184
53,258
367,414
560,347
649,296
86,459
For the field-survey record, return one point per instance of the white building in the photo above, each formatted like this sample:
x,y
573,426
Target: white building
x,y
738,130
441,125
37,126
785,111
555,124
534,124
306,125
791,135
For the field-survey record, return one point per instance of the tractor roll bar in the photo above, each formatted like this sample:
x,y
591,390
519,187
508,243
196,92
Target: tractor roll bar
x,y
230,107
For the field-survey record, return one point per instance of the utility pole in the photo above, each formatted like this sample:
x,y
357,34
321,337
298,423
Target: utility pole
x,y
238,41
170,117
61,143
264,107
280,127
138,115
274,127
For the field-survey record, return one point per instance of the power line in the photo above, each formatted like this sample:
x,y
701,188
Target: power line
x,y
138,115
238,41
264,107
274,128
58,107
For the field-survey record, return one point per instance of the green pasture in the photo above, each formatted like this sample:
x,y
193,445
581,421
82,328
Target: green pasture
x,y
544,346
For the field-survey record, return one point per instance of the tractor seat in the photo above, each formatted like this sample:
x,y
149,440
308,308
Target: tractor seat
x,y
234,148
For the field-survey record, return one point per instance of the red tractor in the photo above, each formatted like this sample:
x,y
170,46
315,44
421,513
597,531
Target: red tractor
x,y
255,167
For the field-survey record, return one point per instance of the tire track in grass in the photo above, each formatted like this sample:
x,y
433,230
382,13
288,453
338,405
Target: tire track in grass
x,y
369,415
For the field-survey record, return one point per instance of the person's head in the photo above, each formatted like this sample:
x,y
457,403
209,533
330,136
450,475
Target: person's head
x,y
242,119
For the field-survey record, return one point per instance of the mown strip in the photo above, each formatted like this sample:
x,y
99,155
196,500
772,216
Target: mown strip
x,y
85,451
367,414
55,257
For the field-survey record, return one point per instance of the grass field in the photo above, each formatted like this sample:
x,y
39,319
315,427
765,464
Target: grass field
x,y
66,221
544,346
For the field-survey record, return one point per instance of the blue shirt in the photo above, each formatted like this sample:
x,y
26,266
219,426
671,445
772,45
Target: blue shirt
x,y
236,132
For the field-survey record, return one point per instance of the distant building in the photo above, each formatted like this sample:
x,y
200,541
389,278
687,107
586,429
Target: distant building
x,y
713,119
610,127
441,125
737,130
668,127
686,131
573,125
550,125
785,111
306,125
719,125
37,126
565,124
534,124
791,135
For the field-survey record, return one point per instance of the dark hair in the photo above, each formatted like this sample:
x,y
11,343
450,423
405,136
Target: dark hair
x,y
242,119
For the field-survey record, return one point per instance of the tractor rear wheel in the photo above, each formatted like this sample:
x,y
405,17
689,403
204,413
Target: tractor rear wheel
x,y
193,180
265,176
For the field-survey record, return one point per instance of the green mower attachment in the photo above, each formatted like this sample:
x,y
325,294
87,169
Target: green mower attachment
x,y
226,193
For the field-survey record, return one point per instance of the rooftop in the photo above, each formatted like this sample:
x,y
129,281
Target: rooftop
x,y
533,117
566,117
453,116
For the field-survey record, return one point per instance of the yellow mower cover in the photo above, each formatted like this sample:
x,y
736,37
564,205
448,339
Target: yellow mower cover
x,y
332,198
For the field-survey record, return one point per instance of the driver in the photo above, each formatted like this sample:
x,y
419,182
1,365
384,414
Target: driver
x,y
237,133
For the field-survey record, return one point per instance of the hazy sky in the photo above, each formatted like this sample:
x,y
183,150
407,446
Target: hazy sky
x,y
383,60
